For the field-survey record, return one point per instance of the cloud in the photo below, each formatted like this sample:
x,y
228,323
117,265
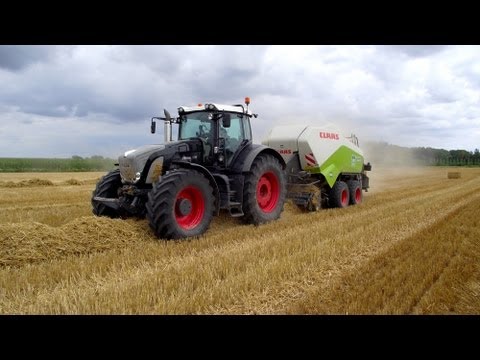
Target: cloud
x,y
104,96
418,50
18,57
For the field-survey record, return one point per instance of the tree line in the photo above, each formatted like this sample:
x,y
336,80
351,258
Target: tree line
x,y
75,163
378,153
382,153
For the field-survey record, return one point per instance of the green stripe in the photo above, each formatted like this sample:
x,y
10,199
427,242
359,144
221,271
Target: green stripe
x,y
342,160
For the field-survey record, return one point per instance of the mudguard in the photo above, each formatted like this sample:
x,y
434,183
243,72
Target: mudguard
x,y
244,160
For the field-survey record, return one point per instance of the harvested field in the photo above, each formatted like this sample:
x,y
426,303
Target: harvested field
x,y
412,247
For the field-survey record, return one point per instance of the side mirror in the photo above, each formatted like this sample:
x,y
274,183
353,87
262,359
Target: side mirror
x,y
167,115
226,120
153,126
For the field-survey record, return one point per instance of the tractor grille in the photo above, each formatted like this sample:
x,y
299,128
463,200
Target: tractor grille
x,y
133,162
127,168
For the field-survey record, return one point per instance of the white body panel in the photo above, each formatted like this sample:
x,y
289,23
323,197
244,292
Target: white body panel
x,y
284,139
315,144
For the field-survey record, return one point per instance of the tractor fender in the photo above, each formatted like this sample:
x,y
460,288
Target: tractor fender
x,y
208,175
244,161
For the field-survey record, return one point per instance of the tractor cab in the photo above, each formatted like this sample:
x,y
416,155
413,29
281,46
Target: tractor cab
x,y
222,129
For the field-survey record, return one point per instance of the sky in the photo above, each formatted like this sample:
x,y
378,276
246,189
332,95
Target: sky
x,y
60,101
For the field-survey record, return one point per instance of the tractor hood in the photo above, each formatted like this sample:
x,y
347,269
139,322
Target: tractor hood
x,y
133,161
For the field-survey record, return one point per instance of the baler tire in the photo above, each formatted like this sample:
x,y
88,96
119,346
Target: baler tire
x,y
339,195
355,190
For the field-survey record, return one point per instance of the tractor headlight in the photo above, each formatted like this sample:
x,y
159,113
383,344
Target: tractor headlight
x,y
137,176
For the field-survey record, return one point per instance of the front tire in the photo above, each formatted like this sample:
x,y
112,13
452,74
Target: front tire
x,y
180,205
107,187
264,191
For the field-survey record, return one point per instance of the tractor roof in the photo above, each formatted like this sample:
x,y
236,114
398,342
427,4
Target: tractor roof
x,y
219,107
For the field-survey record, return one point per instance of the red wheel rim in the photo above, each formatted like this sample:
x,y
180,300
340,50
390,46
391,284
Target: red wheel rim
x,y
358,195
344,198
268,192
194,216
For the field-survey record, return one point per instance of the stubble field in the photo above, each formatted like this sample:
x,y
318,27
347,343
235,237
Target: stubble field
x,y
412,247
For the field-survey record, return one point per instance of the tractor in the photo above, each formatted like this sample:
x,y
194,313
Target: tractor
x,y
213,165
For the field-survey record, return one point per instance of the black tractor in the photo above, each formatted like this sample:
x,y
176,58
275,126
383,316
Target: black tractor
x,y
181,184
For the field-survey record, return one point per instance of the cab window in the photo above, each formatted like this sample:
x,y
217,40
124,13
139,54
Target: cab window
x,y
233,135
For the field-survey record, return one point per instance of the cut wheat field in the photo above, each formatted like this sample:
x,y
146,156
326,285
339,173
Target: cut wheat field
x,y
412,247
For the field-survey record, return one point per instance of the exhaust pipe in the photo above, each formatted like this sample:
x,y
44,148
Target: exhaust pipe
x,y
167,131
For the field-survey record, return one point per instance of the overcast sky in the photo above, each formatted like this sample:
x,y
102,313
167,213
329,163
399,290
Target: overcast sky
x,y
59,101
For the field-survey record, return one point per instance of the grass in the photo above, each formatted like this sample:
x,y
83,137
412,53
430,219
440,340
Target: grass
x,y
410,248
76,163
434,271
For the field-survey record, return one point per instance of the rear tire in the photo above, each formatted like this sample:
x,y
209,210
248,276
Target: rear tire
x,y
355,190
107,187
264,191
339,195
180,205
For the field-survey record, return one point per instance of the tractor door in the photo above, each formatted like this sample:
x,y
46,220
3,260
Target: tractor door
x,y
233,135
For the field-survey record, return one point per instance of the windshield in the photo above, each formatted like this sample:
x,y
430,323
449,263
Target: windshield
x,y
198,124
